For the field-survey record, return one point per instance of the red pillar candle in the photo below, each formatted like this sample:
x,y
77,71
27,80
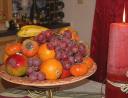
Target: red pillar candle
x,y
117,67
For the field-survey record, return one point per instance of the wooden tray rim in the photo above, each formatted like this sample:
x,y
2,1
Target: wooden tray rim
x,y
46,83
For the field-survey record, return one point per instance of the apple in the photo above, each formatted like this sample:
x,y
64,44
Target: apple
x,y
16,65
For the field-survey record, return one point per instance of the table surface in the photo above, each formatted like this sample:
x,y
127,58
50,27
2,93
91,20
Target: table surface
x,y
59,94
88,89
4,33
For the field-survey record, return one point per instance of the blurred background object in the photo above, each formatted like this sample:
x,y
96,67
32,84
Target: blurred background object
x,y
48,13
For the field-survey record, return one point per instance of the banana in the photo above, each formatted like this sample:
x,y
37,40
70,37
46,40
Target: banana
x,y
64,29
32,26
30,30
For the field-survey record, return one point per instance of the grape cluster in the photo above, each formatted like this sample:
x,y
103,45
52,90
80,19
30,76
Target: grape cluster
x,y
68,51
33,71
44,36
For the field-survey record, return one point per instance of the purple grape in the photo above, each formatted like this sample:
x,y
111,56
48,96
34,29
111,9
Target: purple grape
x,y
54,42
68,51
66,40
49,34
40,38
58,55
54,37
63,44
30,61
40,76
64,56
29,70
74,49
67,34
66,65
82,46
36,68
83,53
78,58
33,76
71,44
50,45
43,40
82,49
36,61
71,59
58,49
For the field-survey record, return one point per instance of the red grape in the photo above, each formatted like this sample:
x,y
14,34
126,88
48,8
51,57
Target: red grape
x,y
33,76
30,70
48,34
40,76
78,58
74,48
67,34
58,55
64,56
36,61
30,61
71,59
66,66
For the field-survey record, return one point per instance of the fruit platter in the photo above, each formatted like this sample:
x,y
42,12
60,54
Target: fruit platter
x,y
46,58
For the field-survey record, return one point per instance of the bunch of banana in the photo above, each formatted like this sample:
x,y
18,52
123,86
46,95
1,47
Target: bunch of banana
x,y
30,30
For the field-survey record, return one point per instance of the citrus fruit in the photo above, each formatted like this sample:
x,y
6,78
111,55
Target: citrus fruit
x,y
44,53
78,69
88,61
52,69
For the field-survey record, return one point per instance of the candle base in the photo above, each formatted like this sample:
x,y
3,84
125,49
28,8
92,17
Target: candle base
x,y
112,92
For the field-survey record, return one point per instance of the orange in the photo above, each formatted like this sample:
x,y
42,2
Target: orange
x,y
44,53
88,61
78,69
52,69
12,48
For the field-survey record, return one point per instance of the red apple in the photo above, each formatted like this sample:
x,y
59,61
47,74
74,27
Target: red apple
x,y
16,65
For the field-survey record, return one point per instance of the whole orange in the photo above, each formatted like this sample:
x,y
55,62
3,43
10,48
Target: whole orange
x,y
44,53
52,68
78,69
88,61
